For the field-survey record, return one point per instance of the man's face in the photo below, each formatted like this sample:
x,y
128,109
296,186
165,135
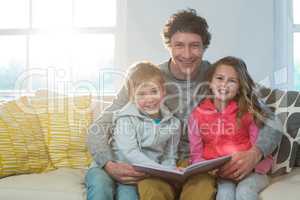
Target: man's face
x,y
186,51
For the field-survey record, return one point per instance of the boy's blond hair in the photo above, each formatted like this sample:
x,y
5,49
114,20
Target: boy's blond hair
x,y
141,73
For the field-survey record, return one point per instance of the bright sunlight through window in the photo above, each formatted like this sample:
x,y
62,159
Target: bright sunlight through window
x,y
45,42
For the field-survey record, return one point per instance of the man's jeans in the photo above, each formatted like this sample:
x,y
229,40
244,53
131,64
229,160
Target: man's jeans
x,y
99,185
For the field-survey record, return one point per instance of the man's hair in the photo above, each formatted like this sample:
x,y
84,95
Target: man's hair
x,y
186,21
141,73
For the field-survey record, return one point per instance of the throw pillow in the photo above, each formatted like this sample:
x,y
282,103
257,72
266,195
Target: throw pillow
x,y
284,106
22,146
64,121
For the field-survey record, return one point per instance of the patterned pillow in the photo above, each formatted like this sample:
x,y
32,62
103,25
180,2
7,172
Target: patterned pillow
x,y
287,107
297,161
64,121
22,146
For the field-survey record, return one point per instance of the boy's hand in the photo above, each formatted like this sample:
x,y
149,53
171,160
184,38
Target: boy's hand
x,y
180,168
123,172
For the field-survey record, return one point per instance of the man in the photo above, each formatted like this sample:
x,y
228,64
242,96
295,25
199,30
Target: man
x,y
186,37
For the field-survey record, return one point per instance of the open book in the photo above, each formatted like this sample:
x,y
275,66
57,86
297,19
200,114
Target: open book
x,y
181,176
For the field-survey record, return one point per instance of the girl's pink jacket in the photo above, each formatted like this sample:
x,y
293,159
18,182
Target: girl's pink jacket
x,y
213,134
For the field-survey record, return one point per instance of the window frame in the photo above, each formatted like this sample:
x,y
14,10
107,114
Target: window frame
x,y
290,28
295,28
119,32
284,29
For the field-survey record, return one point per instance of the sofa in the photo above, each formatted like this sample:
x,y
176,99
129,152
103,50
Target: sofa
x,y
43,152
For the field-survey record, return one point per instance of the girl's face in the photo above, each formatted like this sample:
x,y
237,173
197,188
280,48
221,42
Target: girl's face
x,y
225,83
148,97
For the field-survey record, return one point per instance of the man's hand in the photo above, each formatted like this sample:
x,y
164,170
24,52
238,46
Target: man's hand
x,y
241,164
123,172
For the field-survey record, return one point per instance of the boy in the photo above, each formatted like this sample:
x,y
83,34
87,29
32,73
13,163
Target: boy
x,y
145,132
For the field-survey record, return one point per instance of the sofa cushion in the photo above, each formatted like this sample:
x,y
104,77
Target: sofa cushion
x,y
283,187
22,146
60,184
64,121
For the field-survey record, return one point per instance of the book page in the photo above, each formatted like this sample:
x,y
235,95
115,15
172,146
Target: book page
x,y
181,176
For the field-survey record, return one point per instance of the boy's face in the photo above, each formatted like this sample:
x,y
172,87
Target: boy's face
x,y
186,51
148,97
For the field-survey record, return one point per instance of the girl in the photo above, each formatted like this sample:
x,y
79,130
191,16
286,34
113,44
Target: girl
x,y
227,121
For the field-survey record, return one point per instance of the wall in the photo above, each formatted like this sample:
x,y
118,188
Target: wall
x,y
239,27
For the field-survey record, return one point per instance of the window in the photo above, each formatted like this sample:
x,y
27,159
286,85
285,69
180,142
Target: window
x,y
287,44
64,46
296,42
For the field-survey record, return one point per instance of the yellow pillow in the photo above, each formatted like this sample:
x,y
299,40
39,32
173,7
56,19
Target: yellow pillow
x,y
64,121
22,146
